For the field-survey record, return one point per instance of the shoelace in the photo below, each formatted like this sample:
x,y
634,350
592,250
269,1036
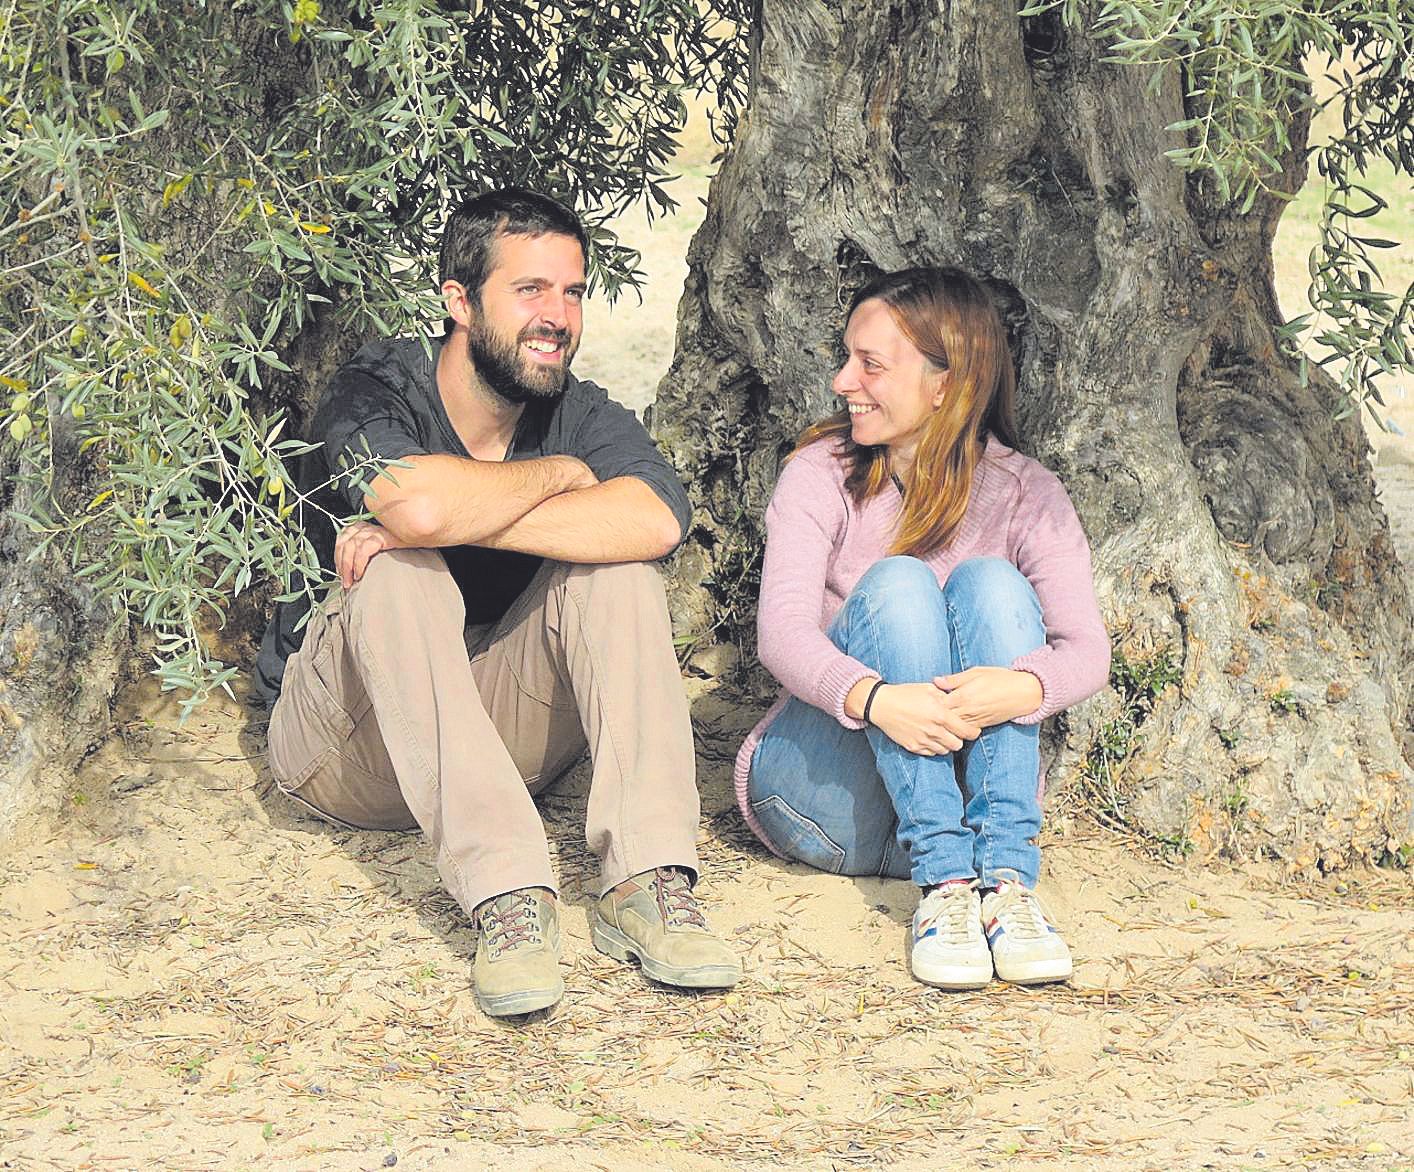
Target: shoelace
x,y
675,900
952,914
509,920
1020,912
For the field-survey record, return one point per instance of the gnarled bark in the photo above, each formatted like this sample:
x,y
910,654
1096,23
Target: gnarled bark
x,y
59,657
1232,516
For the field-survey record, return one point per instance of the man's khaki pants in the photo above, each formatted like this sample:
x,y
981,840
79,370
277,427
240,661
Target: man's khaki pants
x,y
392,715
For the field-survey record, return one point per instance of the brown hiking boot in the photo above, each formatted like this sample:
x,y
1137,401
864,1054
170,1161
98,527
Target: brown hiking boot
x,y
654,917
517,966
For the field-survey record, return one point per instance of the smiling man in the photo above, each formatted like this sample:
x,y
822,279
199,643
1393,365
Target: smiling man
x,y
499,614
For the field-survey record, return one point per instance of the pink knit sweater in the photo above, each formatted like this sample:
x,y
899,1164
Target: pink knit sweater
x,y
819,543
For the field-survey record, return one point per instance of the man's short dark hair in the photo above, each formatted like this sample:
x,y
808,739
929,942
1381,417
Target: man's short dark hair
x,y
469,239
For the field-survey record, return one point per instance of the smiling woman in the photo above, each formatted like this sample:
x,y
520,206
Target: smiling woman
x,y
1221,479
927,370
890,387
926,601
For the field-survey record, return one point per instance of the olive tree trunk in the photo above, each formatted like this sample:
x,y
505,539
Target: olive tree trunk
x,y
59,656
1261,700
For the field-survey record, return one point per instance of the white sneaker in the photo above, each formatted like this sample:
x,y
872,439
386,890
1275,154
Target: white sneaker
x,y
1026,948
949,950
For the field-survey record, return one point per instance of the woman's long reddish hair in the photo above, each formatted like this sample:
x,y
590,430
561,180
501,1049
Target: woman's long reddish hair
x,y
953,321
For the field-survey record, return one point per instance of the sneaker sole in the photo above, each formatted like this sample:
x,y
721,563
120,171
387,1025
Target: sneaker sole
x,y
521,1001
612,942
1038,972
953,976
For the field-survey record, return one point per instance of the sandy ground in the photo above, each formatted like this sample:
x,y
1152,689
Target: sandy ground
x,y
195,975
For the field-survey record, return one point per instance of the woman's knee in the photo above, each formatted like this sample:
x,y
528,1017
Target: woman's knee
x,y
898,581
993,610
991,583
894,619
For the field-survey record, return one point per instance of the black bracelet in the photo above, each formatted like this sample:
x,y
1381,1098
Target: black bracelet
x,y
869,700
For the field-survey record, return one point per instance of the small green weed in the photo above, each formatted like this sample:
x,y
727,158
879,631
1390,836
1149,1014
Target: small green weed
x,y
1178,845
1139,683
1237,800
421,976
190,1066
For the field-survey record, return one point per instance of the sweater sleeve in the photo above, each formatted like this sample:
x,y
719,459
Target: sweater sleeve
x,y
1050,549
804,520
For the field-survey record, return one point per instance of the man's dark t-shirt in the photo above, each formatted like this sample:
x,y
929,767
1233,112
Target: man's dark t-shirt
x,y
386,398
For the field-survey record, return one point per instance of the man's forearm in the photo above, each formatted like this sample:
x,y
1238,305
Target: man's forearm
x,y
441,500
621,520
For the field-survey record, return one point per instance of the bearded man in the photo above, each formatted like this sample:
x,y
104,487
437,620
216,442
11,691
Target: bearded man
x,y
499,613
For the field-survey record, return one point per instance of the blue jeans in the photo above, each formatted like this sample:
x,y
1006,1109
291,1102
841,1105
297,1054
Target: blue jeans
x,y
855,803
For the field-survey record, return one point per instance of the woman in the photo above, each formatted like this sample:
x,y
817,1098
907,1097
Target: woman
x,y
926,601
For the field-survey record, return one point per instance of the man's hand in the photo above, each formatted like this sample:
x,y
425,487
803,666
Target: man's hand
x,y
986,696
917,717
356,546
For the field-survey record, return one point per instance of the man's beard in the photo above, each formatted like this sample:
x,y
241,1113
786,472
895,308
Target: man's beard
x,y
504,368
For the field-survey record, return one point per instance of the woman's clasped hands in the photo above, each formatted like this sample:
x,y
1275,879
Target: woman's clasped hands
x,y
938,717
